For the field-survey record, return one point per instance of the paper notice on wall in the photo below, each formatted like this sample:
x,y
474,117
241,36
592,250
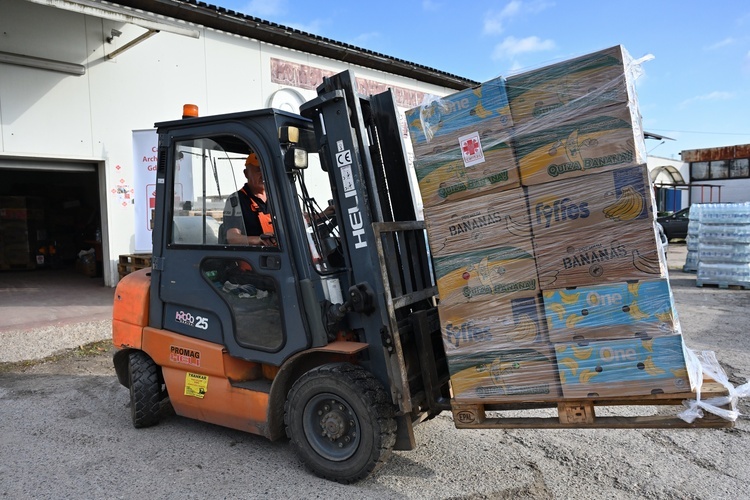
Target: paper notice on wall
x,y
145,147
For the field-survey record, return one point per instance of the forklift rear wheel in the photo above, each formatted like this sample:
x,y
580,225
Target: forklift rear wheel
x,y
340,420
146,393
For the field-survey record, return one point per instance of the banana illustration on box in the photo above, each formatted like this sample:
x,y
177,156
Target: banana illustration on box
x,y
558,309
627,207
587,375
648,265
665,317
569,298
516,228
571,364
636,313
651,368
525,331
572,320
582,352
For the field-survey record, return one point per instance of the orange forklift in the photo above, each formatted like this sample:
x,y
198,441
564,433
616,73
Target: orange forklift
x,y
328,333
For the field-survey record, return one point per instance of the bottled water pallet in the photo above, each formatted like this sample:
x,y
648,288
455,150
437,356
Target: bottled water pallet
x,y
742,285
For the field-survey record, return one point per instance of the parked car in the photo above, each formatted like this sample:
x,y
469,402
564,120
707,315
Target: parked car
x,y
675,225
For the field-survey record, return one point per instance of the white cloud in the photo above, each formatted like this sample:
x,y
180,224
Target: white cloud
x,y
512,46
495,21
720,44
431,5
711,96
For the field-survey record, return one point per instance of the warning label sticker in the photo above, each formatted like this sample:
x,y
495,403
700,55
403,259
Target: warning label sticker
x,y
196,385
471,149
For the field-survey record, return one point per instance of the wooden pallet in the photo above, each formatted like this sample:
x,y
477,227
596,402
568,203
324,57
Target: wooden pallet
x,y
577,414
133,262
738,285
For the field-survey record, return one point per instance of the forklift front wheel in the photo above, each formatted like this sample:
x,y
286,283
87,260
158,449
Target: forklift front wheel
x,y
340,420
145,390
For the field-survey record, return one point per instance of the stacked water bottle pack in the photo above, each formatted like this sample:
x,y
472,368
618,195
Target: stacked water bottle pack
x,y
691,261
723,244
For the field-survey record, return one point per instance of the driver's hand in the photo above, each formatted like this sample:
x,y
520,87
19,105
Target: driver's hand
x,y
268,240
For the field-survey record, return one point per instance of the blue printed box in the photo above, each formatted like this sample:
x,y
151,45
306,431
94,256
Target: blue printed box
x,y
443,120
611,311
616,368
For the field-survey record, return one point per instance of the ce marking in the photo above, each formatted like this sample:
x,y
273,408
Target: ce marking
x,y
344,158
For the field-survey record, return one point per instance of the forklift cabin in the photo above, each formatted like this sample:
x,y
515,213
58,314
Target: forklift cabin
x,y
331,333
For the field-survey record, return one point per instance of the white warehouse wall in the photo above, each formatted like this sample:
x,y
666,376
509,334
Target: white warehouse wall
x,y
47,115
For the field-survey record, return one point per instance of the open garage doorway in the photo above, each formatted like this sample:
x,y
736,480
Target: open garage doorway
x,y
51,218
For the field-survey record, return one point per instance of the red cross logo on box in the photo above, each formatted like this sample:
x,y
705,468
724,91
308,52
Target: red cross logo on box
x,y
471,149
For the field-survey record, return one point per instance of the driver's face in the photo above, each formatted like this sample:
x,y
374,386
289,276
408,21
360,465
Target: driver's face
x,y
254,178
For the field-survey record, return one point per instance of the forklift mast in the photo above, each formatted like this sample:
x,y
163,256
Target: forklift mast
x,y
390,277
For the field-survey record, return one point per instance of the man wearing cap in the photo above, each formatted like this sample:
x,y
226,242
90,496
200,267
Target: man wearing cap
x,y
246,213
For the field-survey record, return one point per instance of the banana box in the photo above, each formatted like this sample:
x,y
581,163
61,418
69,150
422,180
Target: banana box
x,y
593,257
445,176
504,376
443,120
601,201
553,93
487,274
599,140
507,323
479,222
612,311
616,368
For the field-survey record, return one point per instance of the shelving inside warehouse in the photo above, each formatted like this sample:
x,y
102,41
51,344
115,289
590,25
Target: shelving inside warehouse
x,y
540,213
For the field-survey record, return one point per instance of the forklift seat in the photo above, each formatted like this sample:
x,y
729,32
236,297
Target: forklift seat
x,y
188,230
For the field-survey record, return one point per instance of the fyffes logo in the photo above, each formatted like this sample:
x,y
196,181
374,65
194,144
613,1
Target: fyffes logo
x,y
560,210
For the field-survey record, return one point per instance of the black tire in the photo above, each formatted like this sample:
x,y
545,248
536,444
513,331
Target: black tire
x,y
340,420
146,392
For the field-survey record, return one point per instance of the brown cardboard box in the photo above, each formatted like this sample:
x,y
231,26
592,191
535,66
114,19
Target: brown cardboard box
x,y
443,120
507,323
543,96
599,202
591,257
599,140
462,144
504,376
487,274
444,176
480,222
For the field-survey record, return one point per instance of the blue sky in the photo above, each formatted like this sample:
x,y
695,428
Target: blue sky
x,y
695,90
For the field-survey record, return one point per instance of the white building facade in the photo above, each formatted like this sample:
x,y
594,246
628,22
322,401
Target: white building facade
x,y
79,77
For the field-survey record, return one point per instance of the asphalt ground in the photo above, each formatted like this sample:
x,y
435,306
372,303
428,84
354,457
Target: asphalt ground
x,y
67,434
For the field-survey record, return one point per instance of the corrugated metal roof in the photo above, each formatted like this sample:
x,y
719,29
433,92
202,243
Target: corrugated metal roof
x,y
230,21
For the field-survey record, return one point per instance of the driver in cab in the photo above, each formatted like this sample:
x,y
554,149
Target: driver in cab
x,y
247,217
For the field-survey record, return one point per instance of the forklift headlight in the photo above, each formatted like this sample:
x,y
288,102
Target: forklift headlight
x,y
295,159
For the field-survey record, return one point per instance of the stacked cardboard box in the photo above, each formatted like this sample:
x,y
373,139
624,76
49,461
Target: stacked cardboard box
x,y
559,266
462,144
21,219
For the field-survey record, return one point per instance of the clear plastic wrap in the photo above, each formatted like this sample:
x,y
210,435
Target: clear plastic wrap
x,y
711,368
552,280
